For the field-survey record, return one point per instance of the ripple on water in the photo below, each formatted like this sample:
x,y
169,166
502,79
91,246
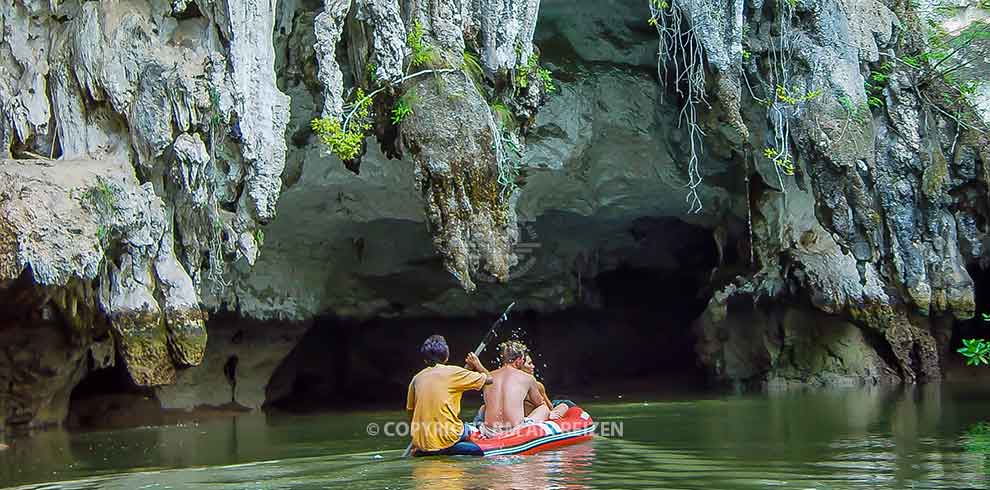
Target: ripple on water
x,y
795,443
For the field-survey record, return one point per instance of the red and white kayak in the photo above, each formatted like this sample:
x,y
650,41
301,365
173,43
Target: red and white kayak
x,y
575,426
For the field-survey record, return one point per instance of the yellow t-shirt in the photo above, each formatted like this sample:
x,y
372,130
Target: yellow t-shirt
x,y
435,399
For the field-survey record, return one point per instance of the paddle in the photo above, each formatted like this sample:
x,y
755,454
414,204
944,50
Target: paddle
x,y
491,331
481,348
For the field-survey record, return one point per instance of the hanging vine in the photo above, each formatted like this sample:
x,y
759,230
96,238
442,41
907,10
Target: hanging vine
x,y
783,102
681,63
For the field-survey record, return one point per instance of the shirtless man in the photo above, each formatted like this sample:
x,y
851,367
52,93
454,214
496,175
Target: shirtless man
x,y
510,387
529,406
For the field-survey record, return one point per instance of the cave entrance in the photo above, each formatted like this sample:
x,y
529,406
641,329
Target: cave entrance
x,y
633,336
108,398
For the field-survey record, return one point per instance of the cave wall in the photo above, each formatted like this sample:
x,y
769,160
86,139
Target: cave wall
x,y
601,153
872,218
159,163
142,148
238,363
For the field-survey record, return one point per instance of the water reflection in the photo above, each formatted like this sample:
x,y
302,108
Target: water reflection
x,y
568,468
565,468
439,474
925,437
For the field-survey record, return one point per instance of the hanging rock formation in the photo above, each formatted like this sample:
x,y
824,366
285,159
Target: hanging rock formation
x,y
875,224
155,138
146,144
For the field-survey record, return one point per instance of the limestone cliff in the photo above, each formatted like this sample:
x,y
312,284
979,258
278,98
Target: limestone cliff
x,y
155,133
144,145
870,166
160,161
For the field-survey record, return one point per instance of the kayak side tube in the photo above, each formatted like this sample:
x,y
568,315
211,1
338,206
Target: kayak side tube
x,y
574,427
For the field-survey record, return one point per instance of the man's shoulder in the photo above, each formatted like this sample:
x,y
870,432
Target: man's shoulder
x,y
422,372
449,370
513,374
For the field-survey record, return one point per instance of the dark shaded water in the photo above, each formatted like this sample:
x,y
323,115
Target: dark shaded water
x,y
925,437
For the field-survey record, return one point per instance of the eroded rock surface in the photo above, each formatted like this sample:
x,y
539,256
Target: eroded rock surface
x,y
154,140
599,155
145,293
866,228
236,368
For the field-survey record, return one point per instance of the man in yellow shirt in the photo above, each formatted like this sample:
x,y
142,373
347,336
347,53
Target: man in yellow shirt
x,y
435,397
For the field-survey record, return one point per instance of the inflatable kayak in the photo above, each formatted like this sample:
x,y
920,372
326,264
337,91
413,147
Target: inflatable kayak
x,y
575,426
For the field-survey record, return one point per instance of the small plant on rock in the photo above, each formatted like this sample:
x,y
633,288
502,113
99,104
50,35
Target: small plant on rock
x,y
876,84
503,115
547,78
472,67
423,53
403,107
370,71
851,112
532,66
103,197
785,96
976,351
344,141
781,161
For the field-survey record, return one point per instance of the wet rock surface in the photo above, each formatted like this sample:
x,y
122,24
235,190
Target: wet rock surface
x,y
236,368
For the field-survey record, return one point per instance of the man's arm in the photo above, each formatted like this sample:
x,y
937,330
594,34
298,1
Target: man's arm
x,y
544,395
474,364
411,398
535,396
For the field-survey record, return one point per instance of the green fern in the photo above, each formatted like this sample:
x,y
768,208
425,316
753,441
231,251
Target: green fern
x,y
503,115
472,67
532,67
403,107
423,53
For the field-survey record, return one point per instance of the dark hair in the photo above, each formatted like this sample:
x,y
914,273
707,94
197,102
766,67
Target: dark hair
x,y
512,350
435,350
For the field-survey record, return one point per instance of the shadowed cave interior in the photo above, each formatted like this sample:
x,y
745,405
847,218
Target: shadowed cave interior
x,y
634,335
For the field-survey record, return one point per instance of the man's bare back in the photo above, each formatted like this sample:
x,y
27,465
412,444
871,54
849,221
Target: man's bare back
x,y
504,397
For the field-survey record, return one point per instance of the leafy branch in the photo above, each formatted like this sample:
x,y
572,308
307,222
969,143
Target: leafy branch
x,y
976,351
532,67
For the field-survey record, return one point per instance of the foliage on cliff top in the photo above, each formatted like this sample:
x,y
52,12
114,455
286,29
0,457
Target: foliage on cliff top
x,y
939,62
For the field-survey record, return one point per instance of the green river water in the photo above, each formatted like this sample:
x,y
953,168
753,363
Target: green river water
x,y
898,438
